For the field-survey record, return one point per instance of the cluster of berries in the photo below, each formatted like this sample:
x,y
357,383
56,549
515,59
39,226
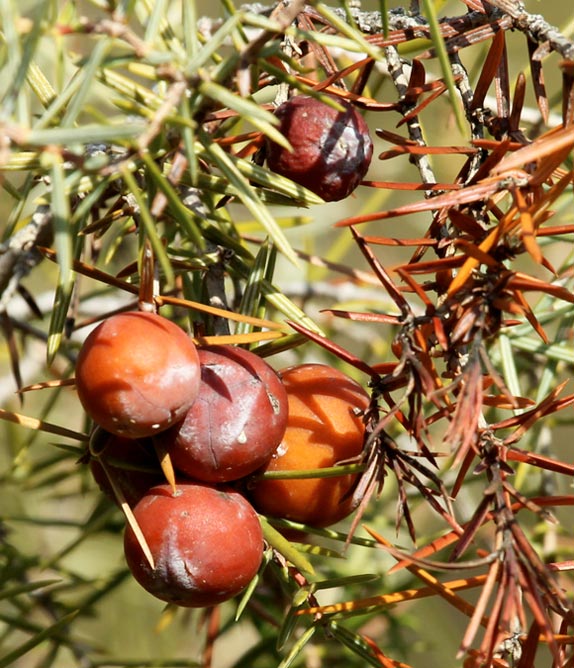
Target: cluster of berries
x,y
221,417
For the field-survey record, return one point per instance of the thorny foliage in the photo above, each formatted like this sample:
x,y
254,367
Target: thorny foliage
x,y
443,384
497,209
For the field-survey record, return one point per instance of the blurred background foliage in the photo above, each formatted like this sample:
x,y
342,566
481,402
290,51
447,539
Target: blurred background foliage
x,y
128,125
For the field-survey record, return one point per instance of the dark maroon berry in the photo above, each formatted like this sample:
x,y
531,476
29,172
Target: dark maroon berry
x,y
131,464
237,421
332,150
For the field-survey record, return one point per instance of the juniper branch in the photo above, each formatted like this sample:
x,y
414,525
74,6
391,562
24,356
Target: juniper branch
x,y
370,22
18,255
536,27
